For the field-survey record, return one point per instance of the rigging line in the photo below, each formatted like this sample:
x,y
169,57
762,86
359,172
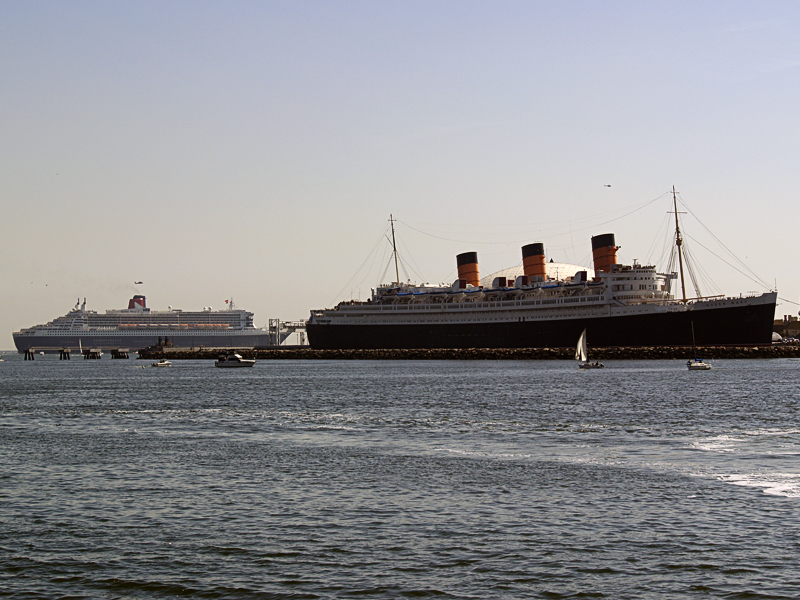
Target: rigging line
x,y
388,257
406,267
643,206
696,271
603,214
623,216
690,267
789,301
700,271
403,267
688,258
761,281
710,283
385,270
413,264
572,219
352,278
410,267
448,239
541,231
666,260
571,241
758,281
587,260
670,248
658,236
368,271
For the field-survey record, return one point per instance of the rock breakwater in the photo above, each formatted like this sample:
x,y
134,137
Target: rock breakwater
x,y
663,352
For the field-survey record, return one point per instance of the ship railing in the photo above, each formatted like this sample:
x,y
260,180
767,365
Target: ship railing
x,y
509,304
715,297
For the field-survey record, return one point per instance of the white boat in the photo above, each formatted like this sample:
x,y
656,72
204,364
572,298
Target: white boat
x,y
233,360
163,362
582,355
697,365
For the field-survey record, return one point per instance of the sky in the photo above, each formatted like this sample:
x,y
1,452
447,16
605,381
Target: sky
x,y
256,150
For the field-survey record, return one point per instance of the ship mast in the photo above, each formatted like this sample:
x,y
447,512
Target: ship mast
x,y
394,248
679,242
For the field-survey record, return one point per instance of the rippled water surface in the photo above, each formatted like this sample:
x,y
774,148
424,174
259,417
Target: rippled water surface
x,y
380,479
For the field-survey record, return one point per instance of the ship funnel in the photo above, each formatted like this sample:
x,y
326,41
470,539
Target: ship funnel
x,y
604,251
468,268
533,261
136,301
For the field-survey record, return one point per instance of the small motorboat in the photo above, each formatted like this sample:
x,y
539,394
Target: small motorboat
x,y
232,360
697,365
163,362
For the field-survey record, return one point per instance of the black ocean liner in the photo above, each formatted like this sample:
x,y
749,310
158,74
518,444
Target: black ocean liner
x,y
139,327
617,305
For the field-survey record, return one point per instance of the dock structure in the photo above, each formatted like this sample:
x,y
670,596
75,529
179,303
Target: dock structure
x,y
120,353
280,330
64,354
30,354
92,354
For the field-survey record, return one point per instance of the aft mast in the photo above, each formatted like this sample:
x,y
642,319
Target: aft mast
x,y
679,242
394,248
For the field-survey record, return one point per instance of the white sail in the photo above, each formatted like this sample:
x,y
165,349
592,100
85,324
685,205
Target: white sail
x,y
581,351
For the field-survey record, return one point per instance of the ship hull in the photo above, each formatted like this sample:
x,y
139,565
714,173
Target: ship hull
x,y
734,322
53,343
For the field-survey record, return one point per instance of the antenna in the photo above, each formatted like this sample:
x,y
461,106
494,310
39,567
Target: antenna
x,y
394,247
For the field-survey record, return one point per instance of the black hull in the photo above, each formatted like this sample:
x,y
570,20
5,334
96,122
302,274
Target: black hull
x,y
749,324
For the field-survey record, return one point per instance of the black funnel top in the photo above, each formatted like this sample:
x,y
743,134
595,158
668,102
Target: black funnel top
x,y
536,249
603,241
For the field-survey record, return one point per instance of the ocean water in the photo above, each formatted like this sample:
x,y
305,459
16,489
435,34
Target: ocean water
x,y
399,479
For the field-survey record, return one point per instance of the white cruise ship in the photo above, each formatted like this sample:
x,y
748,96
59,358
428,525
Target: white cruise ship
x,y
139,327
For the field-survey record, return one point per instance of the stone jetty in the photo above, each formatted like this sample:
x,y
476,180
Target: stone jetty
x,y
662,352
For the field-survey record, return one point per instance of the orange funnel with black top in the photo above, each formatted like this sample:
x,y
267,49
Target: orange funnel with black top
x,y
604,251
533,261
468,268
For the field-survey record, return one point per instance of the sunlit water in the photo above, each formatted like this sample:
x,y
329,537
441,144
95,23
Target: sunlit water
x,y
378,479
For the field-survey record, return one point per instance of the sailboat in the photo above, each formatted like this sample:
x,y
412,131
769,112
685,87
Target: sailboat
x,y
582,355
696,364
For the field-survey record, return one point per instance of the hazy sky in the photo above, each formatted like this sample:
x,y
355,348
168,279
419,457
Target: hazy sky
x,y
257,149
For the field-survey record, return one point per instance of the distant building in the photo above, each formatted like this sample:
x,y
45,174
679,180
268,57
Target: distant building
x,y
788,327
